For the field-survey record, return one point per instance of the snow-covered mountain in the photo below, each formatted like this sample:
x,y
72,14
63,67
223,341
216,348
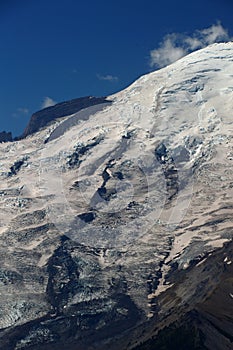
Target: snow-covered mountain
x,y
116,221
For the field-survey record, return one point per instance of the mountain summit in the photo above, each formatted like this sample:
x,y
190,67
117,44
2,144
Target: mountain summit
x,y
116,221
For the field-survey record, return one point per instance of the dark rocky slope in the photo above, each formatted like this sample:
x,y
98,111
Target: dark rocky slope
x,y
5,136
206,322
45,116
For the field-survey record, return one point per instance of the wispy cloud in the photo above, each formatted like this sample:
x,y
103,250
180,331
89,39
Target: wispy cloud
x,y
23,110
48,102
176,45
20,112
167,53
107,77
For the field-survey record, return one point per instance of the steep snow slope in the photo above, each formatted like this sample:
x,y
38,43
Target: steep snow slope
x,y
122,224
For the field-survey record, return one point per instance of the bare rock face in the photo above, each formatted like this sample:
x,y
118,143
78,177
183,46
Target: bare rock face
x,y
5,136
45,116
116,222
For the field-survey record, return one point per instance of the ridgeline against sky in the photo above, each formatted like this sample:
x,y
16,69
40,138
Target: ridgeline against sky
x,y
55,51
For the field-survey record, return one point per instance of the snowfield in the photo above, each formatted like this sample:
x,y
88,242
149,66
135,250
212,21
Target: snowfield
x,y
142,186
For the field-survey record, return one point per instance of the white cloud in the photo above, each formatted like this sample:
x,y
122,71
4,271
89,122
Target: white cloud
x,y
107,77
193,43
175,45
48,102
213,34
23,110
167,53
20,112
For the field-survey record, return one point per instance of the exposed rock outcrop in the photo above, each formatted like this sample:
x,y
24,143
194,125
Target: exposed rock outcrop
x,y
5,136
45,116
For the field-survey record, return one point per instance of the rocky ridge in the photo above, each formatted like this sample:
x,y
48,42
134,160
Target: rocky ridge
x,y
47,115
5,136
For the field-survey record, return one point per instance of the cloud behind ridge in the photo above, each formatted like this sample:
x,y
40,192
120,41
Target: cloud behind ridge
x,y
175,45
48,102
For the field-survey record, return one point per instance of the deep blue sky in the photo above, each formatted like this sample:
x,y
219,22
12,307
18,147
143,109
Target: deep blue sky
x,y
64,49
